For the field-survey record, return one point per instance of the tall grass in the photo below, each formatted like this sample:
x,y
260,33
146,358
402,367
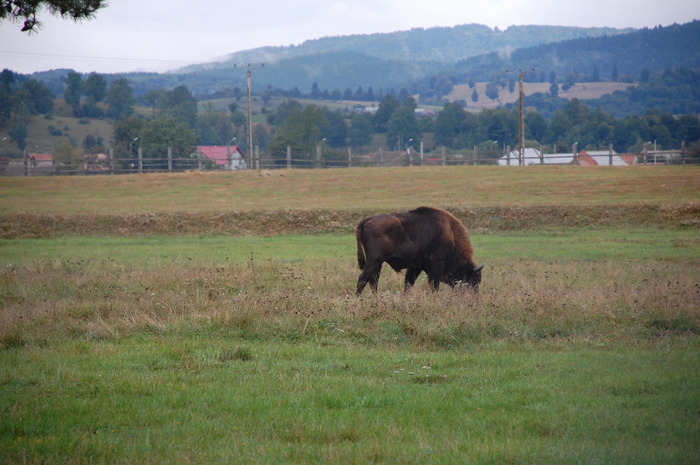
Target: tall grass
x,y
257,288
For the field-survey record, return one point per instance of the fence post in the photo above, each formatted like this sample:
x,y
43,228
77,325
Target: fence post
x,y
170,159
475,153
422,155
683,154
444,157
381,156
140,160
349,157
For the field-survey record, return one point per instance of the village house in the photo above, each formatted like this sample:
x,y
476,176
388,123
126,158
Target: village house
x,y
604,158
583,158
35,164
228,157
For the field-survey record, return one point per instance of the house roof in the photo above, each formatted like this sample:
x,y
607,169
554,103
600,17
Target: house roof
x,y
219,154
602,158
532,157
40,156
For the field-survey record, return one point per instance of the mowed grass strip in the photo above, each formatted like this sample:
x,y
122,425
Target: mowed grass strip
x,y
349,189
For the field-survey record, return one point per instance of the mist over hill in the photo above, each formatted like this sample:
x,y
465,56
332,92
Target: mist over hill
x,y
438,44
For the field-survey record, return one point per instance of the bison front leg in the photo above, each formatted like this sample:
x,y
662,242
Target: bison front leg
x,y
411,276
434,284
433,281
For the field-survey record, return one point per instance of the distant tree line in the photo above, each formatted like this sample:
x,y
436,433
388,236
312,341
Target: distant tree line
x,y
21,98
175,120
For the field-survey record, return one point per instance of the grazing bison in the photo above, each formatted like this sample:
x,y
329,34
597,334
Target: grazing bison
x,y
425,239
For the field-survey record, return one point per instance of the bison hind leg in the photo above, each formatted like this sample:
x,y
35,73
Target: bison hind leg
x,y
370,274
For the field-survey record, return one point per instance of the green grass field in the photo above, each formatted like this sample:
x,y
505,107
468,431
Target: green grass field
x,y
150,344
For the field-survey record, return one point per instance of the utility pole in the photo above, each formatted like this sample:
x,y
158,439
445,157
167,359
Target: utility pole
x,y
521,118
249,72
521,121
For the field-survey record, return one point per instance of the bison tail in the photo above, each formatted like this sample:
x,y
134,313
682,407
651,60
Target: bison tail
x,y
360,247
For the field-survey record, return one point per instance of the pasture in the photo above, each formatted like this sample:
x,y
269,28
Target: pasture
x,y
160,343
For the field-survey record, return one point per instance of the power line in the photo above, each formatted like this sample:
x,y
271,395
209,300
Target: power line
x,y
34,55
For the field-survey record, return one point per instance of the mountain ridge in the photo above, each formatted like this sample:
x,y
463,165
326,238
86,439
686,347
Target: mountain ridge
x,y
442,44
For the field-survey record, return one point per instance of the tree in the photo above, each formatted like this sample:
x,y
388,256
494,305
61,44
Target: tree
x,y
315,91
283,111
95,87
335,131
214,128
554,89
535,126
7,77
500,124
73,92
361,130
120,99
38,97
181,105
386,108
239,120
237,94
448,124
26,10
156,99
159,135
402,127
68,157
18,134
492,90
125,131
302,130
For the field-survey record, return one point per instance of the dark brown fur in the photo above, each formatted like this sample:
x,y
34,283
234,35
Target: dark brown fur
x,y
425,239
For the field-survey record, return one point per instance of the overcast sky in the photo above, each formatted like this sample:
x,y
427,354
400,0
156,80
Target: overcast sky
x,y
159,35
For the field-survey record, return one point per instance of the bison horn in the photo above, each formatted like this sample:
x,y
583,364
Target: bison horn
x,y
479,268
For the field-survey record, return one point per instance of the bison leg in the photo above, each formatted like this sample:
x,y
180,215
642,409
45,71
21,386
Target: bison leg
x,y
370,274
411,276
434,282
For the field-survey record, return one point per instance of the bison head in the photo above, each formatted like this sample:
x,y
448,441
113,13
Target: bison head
x,y
469,275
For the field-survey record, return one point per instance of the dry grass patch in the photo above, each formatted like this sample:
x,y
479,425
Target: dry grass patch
x,y
520,301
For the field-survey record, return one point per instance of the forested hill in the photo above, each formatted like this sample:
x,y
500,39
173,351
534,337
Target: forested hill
x,y
338,65
441,44
351,62
660,48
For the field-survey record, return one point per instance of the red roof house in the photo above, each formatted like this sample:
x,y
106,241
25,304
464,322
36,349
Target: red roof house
x,y
228,157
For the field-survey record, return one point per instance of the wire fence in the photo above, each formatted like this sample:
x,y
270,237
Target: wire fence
x,y
107,164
